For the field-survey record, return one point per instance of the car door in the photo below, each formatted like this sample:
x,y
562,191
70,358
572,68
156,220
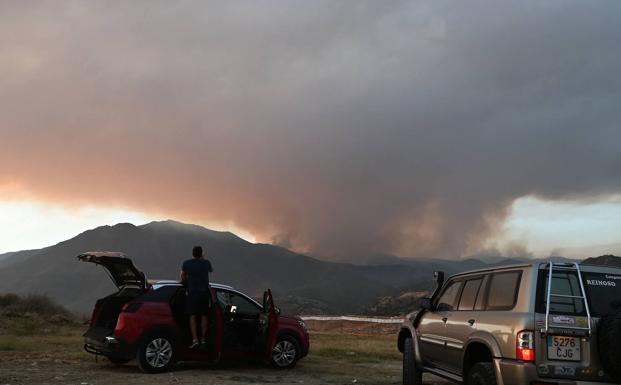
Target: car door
x,y
432,326
120,268
461,323
241,326
269,324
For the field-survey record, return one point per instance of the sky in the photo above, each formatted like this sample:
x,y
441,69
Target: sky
x,y
335,128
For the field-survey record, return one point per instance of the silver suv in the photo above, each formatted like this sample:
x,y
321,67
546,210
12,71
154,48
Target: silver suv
x,y
540,323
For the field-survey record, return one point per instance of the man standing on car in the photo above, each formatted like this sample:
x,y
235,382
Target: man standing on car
x,y
195,275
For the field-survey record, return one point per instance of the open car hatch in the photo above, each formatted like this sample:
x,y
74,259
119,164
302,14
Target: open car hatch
x,y
120,268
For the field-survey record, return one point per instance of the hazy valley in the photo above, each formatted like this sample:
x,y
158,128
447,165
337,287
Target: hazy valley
x,y
301,284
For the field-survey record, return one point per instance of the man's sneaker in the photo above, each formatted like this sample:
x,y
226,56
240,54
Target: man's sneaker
x,y
203,345
194,345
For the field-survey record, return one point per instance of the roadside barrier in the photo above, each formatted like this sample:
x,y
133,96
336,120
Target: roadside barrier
x,y
379,320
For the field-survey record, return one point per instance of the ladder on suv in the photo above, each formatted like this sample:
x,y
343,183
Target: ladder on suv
x,y
566,329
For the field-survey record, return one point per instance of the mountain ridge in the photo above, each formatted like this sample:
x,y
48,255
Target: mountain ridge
x,y
158,248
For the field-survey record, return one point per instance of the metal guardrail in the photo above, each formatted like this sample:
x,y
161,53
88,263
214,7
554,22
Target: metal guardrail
x,y
379,320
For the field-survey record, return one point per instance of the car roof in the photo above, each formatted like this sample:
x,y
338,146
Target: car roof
x,y
157,284
536,265
494,269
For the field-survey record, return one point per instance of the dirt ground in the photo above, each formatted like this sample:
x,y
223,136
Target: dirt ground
x,y
22,370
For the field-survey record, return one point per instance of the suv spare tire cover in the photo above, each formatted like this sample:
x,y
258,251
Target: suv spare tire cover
x,y
609,340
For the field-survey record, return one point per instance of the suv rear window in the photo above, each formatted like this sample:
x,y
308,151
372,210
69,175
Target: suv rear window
x,y
503,290
563,283
603,293
162,294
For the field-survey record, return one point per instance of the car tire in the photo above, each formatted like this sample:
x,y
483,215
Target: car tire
x,y
411,374
608,341
286,352
481,373
156,353
118,360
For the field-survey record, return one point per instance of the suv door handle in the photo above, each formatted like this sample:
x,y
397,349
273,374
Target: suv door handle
x,y
444,319
471,322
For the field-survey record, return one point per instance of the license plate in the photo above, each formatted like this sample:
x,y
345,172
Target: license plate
x,y
563,348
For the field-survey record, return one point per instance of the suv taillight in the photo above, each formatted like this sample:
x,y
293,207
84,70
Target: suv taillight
x,y
525,345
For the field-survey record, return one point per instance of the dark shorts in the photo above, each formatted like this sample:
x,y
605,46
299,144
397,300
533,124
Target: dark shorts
x,y
198,303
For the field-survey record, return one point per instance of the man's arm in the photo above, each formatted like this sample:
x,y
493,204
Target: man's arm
x,y
183,277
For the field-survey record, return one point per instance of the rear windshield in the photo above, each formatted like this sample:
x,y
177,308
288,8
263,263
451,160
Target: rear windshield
x,y
161,294
121,273
603,293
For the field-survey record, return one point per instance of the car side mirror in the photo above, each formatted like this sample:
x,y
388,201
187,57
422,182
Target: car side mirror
x,y
426,304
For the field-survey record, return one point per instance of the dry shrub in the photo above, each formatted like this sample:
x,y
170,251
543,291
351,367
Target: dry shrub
x,y
32,303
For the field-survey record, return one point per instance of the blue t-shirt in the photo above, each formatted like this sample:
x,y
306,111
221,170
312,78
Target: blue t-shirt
x,y
197,270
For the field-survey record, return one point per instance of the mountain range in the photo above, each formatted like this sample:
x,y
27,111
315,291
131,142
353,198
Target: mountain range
x,y
301,284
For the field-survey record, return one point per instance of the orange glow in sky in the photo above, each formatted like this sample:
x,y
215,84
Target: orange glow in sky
x,y
31,225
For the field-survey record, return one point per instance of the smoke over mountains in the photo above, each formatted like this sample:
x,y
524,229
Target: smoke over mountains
x,y
300,283
337,129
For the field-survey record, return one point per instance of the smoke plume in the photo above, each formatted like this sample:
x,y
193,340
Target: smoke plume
x,y
337,128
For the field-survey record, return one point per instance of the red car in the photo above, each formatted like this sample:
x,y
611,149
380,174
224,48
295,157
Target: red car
x,y
146,321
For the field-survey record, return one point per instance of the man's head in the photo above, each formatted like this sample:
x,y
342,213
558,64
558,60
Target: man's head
x,y
197,252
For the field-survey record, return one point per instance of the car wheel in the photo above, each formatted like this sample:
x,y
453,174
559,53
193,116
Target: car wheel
x,y
481,373
286,352
411,374
118,360
156,353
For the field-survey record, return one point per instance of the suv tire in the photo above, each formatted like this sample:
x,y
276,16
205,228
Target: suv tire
x,y
156,353
286,352
608,341
411,374
481,373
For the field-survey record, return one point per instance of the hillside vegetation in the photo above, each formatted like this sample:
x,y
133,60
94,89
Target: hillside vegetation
x,y
33,314
399,305
605,260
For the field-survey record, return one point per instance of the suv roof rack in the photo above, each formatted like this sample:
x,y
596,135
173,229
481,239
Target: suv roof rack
x,y
566,266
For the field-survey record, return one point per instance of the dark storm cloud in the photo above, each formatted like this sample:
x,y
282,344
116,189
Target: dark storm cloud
x,y
338,127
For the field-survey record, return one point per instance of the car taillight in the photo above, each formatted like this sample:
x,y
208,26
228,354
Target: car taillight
x,y
131,307
95,315
525,346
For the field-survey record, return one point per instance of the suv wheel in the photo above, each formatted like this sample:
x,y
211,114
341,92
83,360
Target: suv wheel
x,y
411,374
481,373
156,353
286,352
